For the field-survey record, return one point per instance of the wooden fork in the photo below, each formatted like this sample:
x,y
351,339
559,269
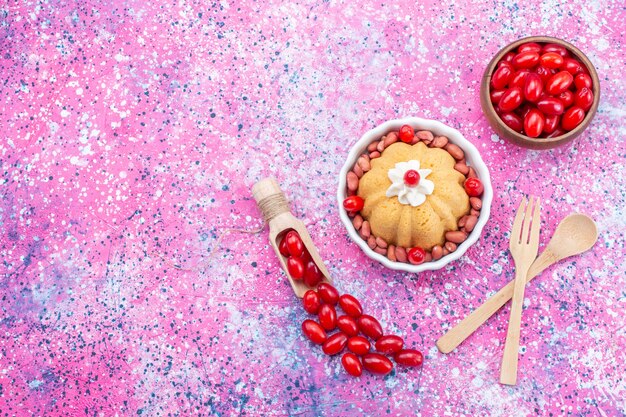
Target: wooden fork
x,y
523,245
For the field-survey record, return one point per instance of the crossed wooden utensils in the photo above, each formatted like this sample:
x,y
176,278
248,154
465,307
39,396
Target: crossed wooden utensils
x,y
575,234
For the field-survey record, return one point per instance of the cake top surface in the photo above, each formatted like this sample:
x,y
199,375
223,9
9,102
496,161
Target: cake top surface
x,y
413,215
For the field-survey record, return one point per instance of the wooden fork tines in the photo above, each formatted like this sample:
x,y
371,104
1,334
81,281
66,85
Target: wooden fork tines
x,y
523,245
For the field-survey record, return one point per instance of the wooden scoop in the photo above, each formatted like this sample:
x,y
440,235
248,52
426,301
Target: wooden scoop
x,y
275,208
575,234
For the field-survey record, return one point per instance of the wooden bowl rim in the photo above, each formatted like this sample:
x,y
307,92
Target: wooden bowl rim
x,y
544,143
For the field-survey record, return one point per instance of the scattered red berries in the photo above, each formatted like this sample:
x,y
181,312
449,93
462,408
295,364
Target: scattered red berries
x,y
327,316
329,294
348,325
352,364
409,357
322,302
350,305
359,345
377,363
314,332
311,302
389,344
335,344
369,326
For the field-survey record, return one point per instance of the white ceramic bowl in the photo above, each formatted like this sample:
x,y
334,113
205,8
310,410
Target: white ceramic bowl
x,y
473,159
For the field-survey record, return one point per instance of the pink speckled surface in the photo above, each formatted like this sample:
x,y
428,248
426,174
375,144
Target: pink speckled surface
x,y
132,133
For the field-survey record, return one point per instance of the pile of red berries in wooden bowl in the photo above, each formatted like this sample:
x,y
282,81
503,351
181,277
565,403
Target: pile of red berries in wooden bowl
x,y
468,162
540,92
358,337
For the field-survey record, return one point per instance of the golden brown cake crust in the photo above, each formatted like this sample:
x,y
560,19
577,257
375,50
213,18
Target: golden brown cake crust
x,y
402,224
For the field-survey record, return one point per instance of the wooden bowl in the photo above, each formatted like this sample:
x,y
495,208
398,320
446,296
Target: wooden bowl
x,y
522,140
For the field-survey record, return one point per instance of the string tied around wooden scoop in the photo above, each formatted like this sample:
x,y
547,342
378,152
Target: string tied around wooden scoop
x,y
273,205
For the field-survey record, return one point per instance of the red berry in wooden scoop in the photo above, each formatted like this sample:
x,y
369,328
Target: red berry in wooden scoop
x,y
348,325
329,294
352,364
473,187
295,267
350,305
282,248
359,345
411,178
377,363
409,357
312,274
369,326
406,134
416,255
327,316
335,344
353,203
389,344
294,244
314,332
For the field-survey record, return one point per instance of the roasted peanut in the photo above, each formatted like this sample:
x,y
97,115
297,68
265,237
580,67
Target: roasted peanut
x,y
357,222
400,254
365,230
437,252
456,152
456,236
352,180
439,142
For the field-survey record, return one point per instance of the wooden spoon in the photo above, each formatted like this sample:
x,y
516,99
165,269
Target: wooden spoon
x,y
575,234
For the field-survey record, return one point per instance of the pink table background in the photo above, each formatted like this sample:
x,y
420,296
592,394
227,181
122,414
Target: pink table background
x,y
132,133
